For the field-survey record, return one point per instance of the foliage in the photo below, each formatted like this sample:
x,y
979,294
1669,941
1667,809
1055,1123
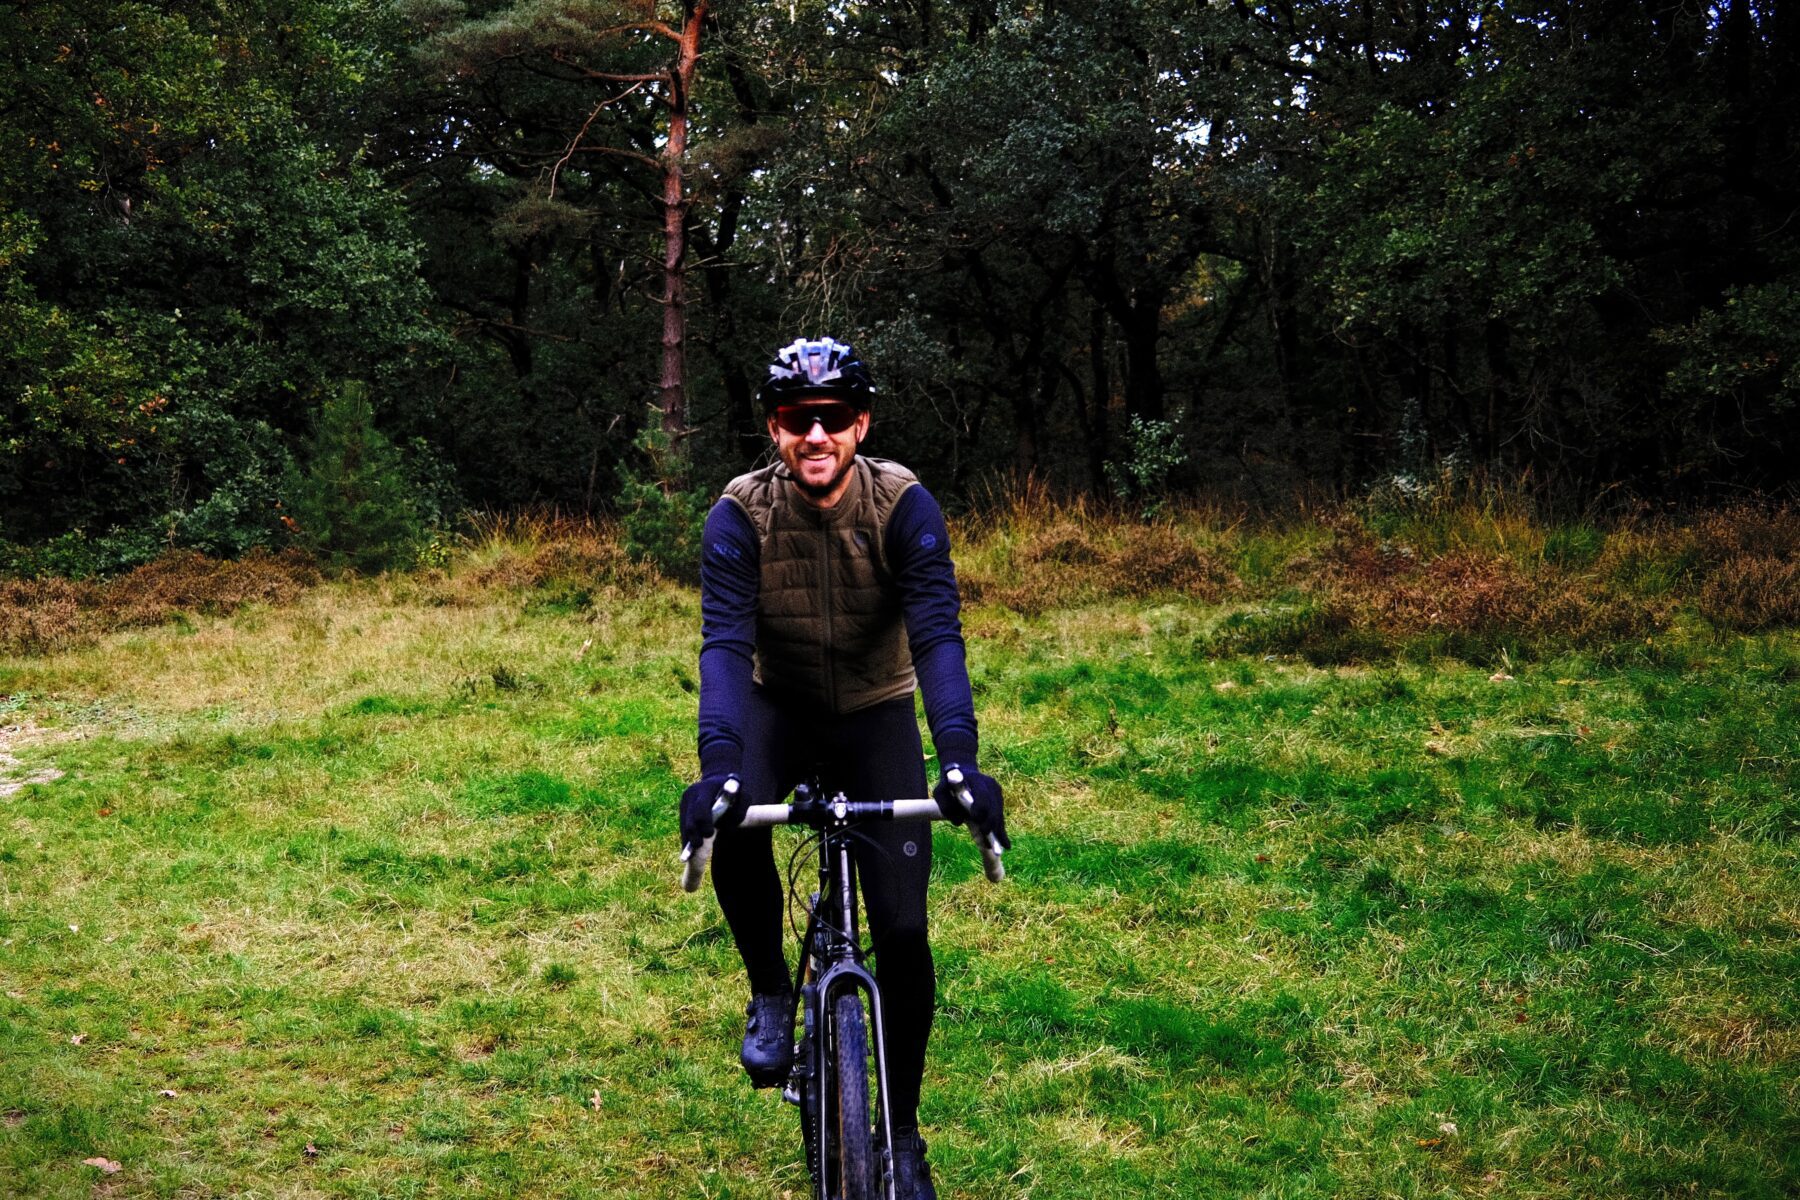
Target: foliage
x,y
1329,246
192,253
352,505
1151,451
661,513
1737,381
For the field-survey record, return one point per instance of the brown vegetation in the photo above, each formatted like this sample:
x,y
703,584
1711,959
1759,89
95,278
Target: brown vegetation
x,y
1462,576
1033,554
543,550
47,614
1338,585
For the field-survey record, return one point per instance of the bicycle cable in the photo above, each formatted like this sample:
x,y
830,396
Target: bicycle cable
x,y
793,896
794,901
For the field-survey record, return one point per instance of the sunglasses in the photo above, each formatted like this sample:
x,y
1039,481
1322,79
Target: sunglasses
x,y
833,416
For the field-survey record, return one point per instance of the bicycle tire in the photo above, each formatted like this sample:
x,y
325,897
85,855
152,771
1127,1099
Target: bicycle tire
x,y
857,1165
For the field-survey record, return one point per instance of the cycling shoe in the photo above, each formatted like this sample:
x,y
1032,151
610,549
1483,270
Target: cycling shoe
x,y
768,1053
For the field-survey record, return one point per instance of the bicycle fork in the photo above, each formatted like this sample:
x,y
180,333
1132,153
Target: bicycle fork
x,y
830,966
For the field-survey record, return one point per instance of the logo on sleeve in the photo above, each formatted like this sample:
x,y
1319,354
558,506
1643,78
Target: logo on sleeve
x,y
929,541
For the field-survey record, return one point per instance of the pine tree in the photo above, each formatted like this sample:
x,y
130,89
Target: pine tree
x,y
353,506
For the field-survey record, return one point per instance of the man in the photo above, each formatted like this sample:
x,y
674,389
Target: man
x,y
826,591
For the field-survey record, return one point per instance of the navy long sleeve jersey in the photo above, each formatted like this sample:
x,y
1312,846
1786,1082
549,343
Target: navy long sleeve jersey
x,y
918,554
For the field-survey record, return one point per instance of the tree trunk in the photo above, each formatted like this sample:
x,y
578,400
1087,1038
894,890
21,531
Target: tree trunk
x,y
1142,322
673,389
1099,422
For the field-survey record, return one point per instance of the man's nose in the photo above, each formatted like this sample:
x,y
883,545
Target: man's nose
x,y
815,433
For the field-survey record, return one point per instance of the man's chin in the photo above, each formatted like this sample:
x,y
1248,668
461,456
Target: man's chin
x,y
819,491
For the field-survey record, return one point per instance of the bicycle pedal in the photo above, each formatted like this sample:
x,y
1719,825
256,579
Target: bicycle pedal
x,y
791,1094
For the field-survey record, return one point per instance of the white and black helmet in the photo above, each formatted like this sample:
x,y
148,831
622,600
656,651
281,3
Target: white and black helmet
x,y
826,367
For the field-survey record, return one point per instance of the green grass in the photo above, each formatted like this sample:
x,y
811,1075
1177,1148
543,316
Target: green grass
x,y
374,897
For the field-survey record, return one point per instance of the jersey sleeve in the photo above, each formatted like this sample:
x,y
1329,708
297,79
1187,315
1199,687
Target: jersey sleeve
x,y
730,578
918,552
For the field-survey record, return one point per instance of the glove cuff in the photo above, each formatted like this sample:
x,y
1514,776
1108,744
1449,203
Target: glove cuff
x,y
960,752
721,760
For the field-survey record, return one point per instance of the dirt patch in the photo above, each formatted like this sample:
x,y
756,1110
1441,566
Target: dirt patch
x,y
13,778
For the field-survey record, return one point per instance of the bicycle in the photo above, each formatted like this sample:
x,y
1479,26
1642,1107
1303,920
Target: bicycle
x,y
840,1065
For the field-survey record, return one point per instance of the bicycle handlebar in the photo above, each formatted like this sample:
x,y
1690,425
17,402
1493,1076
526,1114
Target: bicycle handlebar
x,y
759,816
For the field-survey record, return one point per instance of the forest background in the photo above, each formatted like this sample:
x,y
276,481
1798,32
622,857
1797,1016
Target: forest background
x,y
484,255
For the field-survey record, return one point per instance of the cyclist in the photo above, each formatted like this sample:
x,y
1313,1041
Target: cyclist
x,y
827,593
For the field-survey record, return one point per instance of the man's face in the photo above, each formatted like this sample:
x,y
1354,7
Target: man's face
x,y
819,458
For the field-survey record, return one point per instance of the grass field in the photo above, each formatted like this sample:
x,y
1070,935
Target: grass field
x,y
373,893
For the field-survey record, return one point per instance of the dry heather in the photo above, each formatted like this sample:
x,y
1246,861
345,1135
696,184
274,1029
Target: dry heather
x,y
1390,591
1467,592
1071,561
1753,592
1461,580
563,555
1326,584
39,615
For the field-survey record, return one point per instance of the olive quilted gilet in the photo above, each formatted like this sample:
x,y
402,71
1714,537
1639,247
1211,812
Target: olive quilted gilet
x,y
829,627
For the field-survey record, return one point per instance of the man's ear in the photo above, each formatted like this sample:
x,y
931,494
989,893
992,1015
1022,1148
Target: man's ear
x,y
864,419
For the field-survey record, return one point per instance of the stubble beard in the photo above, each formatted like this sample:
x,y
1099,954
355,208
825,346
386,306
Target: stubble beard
x,y
819,491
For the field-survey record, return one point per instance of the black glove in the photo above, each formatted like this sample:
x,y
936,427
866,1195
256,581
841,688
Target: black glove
x,y
697,809
989,811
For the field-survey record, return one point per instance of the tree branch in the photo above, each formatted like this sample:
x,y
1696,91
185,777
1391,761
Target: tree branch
x,y
582,132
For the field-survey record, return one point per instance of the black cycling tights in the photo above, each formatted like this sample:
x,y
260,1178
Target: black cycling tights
x,y
874,754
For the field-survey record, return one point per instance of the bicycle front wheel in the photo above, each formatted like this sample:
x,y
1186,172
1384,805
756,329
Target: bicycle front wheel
x,y
855,1158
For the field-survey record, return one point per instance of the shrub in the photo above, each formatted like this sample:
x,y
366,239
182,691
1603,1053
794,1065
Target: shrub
x,y
74,555
41,615
661,511
1751,592
1353,558
1032,566
186,581
1141,476
1747,530
353,506
564,557
1159,558
1462,593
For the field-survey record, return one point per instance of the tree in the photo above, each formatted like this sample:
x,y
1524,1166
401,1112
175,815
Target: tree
x,y
351,503
193,255
609,49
